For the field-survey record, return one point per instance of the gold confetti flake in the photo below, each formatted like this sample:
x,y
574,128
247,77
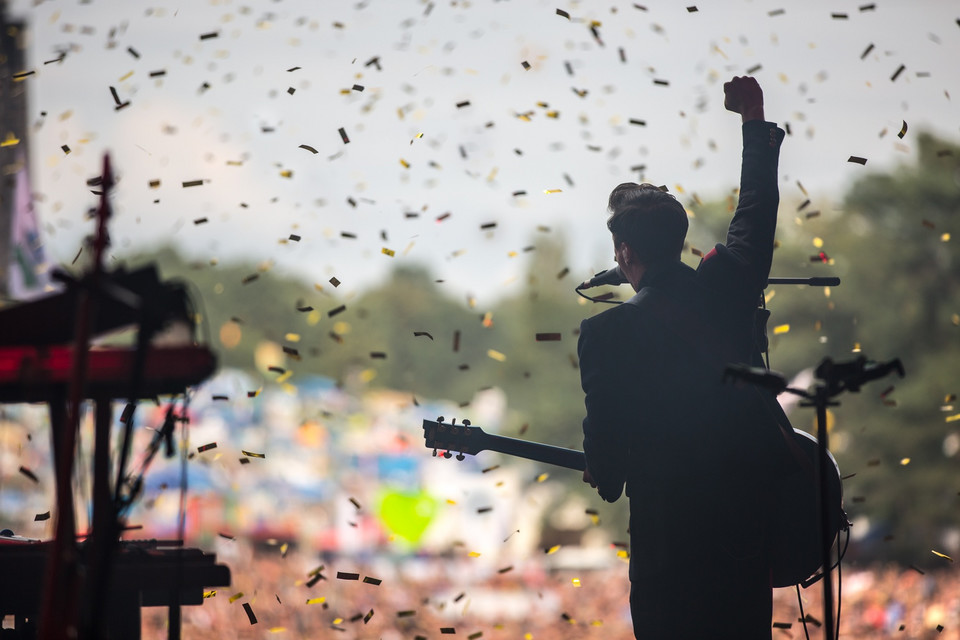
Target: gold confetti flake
x,y
941,555
388,252
236,596
496,355
474,554
783,328
576,582
552,549
549,191
10,140
542,477
904,461
209,594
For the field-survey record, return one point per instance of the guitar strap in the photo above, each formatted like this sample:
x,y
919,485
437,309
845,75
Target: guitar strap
x,y
704,341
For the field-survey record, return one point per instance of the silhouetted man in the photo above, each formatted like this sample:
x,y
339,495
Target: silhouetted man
x,y
695,454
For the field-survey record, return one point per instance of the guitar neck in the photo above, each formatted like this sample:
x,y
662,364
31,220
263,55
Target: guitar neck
x,y
569,458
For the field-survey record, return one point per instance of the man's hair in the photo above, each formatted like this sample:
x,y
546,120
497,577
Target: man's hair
x,y
651,221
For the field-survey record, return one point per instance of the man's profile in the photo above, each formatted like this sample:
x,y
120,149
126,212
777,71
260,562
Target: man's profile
x,y
693,454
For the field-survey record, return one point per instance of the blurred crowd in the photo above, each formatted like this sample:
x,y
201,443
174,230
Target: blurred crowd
x,y
277,594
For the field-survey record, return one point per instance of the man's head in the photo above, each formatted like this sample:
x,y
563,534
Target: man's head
x,y
649,220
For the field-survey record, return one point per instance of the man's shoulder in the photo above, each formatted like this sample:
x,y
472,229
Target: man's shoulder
x,y
619,314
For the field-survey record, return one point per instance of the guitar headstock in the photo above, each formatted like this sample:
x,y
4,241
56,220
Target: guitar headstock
x,y
462,438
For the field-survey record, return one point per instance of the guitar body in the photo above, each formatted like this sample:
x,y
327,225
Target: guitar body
x,y
794,525
795,522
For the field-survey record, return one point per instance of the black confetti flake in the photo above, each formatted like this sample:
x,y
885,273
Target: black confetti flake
x,y
250,614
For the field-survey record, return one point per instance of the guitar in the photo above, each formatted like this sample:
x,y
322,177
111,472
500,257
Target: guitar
x,y
793,526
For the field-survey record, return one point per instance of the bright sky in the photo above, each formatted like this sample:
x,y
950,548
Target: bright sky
x,y
449,120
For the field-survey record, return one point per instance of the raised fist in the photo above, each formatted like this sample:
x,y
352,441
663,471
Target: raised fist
x,y
743,95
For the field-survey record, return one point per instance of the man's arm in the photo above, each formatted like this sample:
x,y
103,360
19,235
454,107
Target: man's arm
x,y
750,236
606,428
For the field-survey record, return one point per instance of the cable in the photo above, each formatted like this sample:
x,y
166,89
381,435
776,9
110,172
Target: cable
x,y
803,616
583,295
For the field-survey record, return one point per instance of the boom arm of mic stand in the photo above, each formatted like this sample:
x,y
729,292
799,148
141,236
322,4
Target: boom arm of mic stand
x,y
823,281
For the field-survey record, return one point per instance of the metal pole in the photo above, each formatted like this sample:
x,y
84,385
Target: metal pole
x,y
826,540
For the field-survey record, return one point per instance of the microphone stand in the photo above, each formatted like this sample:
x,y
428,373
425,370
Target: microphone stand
x,y
821,281
832,379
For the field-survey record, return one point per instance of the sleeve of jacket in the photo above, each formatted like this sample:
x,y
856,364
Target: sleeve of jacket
x,y
750,236
604,375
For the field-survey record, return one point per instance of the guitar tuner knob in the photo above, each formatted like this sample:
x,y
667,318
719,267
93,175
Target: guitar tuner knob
x,y
447,455
453,421
466,423
460,456
434,453
440,420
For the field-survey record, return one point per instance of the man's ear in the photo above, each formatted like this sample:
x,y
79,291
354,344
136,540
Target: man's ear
x,y
629,257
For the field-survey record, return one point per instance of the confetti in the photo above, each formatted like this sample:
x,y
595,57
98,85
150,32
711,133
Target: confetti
x,y
40,517
552,550
857,160
200,221
209,594
220,397
334,312
250,614
548,337
641,123
309,148
903,130
374,581
451,630
542,477
866,51
576,582
388,252
236,597
29,474
526,65
343,135
406,614
692,9
941,555
465,103
207,447
417,334
208,36
23,74
496,355
342,575
192,183
251,454
783,328
367,617
562,13
897,73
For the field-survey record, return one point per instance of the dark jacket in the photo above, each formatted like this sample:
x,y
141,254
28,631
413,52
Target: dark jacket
x,y
651,369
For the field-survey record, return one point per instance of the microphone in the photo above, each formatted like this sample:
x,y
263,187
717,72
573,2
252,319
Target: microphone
x,y
610,276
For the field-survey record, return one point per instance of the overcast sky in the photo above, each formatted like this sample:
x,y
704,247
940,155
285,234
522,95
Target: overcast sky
x,y
444,117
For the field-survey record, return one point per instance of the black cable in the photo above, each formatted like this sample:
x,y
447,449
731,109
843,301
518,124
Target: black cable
x,y
803,616
583,295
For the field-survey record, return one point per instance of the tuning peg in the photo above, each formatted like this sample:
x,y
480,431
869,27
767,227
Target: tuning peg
x,y
434,452
465,422
440,420
460,457
453,422
447,454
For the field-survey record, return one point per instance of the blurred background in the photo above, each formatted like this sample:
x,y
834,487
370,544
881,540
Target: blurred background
x,y
379,205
